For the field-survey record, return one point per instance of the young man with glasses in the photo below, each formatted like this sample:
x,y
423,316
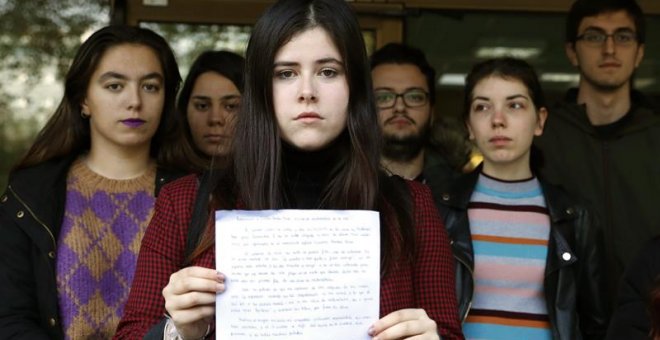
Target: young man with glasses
x,y
602,142
404,88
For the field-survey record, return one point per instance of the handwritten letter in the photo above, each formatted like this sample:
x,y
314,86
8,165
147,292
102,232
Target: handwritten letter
x,y
297,274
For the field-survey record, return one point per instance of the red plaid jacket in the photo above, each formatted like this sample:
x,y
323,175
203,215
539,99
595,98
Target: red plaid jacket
x,y
428,284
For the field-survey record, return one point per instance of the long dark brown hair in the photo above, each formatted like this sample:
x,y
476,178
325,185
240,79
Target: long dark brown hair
x,y
654,309
67,133
225,63
358,182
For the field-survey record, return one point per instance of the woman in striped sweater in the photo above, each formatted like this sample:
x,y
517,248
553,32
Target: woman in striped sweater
x,y
527,257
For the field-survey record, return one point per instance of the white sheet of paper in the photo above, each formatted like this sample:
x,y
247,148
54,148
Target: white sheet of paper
x,y
297,274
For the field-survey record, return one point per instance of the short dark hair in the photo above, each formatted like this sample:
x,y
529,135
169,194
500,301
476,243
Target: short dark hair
x,y
587,8
396,53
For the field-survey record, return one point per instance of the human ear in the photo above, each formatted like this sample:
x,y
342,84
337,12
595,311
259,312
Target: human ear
x,y
569,48
640,55
542,116
84,108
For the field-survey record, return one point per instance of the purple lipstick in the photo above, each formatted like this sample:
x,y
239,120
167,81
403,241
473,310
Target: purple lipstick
x,y
133,122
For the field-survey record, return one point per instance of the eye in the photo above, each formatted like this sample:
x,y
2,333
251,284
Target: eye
x,y
516,105
285,74
595,37
480,107
416,97
328,73
201,106
115,87
151,87
384,97
624,37
232,106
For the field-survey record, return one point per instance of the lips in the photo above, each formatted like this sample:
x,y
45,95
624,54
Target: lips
x,y
133,122
215,138
399,120
308,116
499,140
609,64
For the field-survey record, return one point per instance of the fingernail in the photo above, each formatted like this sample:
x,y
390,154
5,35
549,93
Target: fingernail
x,y
219,287
371,331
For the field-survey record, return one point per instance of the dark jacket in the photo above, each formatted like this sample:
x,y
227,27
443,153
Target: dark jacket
x,y
31,214
573,283
630,319
616,173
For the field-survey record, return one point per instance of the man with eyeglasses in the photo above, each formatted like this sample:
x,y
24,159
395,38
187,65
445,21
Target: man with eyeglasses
x,y
602,142
404,88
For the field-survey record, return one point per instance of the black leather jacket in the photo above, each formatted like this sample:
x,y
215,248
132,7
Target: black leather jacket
x,y
574,287
31,213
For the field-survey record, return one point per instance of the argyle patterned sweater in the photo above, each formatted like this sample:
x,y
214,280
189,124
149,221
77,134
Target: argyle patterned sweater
x,y
104,221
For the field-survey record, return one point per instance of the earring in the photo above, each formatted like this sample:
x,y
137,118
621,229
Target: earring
x,y
84,115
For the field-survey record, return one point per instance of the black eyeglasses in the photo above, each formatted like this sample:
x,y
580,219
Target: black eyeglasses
x,y
411,98
598,38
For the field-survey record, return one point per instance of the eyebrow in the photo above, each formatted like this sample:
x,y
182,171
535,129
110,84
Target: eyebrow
x,y
116,75
322,61
600,29
225,97
515,96
405,90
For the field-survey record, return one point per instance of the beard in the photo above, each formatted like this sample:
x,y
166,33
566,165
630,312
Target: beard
x,y
405,148
605,86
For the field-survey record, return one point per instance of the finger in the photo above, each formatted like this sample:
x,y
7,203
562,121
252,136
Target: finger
x,y
396,317
425,336
182,284
186,317
200,272
189,300
402,330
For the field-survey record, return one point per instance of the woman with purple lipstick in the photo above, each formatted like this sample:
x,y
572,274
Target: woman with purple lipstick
x,y
77,205
209,101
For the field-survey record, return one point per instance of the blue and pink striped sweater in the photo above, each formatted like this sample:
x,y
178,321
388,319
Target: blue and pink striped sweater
x,y
510,229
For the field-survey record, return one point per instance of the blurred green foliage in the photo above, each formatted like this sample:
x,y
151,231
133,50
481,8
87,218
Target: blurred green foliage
x,y
36,35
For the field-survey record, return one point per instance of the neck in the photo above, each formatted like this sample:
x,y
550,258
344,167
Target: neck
x,y
604,107
121,163
507,172
407,169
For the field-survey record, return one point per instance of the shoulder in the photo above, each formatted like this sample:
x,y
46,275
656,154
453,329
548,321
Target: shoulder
x,y
44,172
557,198
421,197
182,189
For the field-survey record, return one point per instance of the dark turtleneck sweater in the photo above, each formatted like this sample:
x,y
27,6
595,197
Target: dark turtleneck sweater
x,y
307,174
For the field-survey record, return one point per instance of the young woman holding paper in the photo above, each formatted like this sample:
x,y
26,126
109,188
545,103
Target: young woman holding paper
x,y
307,138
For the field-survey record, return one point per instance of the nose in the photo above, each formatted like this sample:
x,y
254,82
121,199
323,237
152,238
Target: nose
x,y
399,104
307,89
134,99
217,115
608,45
498,119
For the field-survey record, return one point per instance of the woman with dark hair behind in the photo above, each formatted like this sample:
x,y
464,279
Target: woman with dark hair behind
x,y
528,258
305,139
78,203
637,312
209,101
